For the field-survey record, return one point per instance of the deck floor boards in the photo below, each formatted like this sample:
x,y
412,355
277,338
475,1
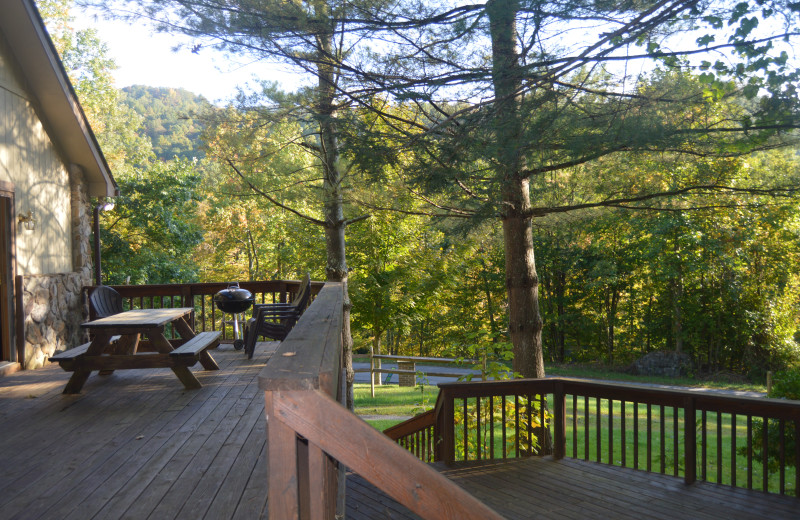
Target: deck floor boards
x,y
136,444
543,488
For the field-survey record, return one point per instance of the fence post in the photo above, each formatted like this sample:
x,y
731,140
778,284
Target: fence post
x,y
372,372
690,440
560,418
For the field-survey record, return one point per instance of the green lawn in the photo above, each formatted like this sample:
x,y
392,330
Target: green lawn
x,y
392,400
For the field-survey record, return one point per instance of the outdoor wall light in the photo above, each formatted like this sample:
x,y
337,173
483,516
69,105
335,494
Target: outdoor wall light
x,y
28,220
103,206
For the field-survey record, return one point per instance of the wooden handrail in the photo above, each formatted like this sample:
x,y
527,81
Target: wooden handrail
x,y
412,425
698,416
309,433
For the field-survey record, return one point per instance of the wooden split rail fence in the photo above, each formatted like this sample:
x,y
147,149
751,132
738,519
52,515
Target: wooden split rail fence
x,y
407,367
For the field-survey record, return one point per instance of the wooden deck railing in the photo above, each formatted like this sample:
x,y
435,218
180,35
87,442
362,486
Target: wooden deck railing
x,y
696,435
418,435
310,435
200,296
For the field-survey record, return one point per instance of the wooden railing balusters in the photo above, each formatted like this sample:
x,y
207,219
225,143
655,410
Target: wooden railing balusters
x,y
782,455
623,448
466,430
611,431
504,423
704,444
529,429
635,435
574,426
764,456
797,457
516,424
719,448
586,427
649,437
733,449
690,440
599,436
675,440
559,420
749,452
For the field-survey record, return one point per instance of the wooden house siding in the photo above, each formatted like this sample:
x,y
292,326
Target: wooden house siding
x,y
30,161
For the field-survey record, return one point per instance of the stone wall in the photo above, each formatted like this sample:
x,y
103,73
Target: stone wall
x,y
53,310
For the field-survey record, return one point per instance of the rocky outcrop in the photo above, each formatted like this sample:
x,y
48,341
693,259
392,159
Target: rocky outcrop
x,y
669,364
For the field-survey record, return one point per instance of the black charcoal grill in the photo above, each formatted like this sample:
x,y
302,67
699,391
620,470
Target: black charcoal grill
x,y
234,300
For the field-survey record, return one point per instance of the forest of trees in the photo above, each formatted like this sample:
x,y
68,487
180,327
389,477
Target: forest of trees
x,y
650,231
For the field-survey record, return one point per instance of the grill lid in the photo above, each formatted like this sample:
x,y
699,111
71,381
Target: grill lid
x,y
233,299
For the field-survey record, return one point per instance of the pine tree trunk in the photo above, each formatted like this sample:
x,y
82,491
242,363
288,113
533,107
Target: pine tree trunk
x,y
336,268
522,284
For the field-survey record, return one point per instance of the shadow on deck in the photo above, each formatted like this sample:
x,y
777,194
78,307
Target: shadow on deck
x,y
568,488
137,445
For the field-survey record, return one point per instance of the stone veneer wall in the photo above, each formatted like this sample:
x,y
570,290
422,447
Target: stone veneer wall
x,y
53,304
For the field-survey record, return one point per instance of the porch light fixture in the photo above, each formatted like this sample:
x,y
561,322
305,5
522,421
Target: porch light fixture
x,y
28,220
103,206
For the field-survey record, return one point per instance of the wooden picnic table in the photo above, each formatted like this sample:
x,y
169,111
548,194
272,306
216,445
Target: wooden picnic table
x,y
117,345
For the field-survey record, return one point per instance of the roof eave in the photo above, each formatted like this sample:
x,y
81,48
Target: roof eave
x,y
55,99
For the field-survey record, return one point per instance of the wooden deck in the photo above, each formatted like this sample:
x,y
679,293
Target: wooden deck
x,y
137,445
542,488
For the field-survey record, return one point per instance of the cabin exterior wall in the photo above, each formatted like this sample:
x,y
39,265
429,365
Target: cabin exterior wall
x,y
54,259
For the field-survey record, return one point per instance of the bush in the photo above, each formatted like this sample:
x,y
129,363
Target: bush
x,y
786,385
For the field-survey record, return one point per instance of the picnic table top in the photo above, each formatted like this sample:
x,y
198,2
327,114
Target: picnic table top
x,y
139,318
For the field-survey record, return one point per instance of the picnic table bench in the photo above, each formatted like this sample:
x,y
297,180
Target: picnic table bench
x,y
116,346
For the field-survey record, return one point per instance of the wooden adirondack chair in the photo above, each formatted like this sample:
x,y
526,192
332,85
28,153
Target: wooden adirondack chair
x,y
275,320
105,302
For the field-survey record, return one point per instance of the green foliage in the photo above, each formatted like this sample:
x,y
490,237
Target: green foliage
x,y
492,356
152,233
478,427
171,119
786,385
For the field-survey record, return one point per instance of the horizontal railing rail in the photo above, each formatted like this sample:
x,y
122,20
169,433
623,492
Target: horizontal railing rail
x,y
200,297
737,441
311,436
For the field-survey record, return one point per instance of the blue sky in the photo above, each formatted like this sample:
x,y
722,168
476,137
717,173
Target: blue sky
x,y
146,58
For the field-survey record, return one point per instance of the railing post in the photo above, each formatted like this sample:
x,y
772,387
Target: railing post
x,y
445,424
188,301
690,440
560,418
282,485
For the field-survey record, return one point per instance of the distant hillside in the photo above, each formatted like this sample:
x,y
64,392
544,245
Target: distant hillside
x,y
170,119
